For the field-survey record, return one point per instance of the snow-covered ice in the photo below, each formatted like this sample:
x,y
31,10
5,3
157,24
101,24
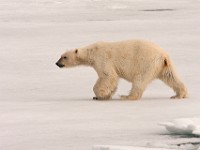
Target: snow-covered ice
x,y
183,126
45,108
110,147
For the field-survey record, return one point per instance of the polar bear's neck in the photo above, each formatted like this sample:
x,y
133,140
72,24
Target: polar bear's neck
x,y
86,62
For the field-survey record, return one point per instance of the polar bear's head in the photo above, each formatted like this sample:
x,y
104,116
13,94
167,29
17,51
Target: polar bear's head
x,y
80,56
69,59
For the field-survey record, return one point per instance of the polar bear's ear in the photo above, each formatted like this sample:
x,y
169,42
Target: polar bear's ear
x,y
76,51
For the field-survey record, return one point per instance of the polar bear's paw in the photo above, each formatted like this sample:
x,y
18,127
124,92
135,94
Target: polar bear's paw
x,y
178,97
104,98
124,97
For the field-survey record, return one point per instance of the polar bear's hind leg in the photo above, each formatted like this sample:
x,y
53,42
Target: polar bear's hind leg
x,y
170,78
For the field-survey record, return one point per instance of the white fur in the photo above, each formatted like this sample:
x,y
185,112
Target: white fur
x,y
137,61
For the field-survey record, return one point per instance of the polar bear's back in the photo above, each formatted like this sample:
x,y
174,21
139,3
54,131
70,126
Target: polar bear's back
x,y
132,47
135,50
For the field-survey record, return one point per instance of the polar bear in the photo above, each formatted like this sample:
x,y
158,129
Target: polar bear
x,y
136,61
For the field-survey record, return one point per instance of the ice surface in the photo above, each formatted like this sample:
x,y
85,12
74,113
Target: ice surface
x,y
183,126
45,108
110,147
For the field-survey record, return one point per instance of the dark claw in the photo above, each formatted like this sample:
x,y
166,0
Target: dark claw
x,y
95,98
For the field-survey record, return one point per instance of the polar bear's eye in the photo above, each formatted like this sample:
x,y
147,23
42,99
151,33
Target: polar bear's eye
x,y
65,57
76,51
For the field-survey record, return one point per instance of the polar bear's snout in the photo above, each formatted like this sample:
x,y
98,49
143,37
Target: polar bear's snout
x,y
59,63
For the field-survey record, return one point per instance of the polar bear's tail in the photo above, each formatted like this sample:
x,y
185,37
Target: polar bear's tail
x,y
169,76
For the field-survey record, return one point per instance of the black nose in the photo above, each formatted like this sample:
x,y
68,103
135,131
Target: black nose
x,y
59,65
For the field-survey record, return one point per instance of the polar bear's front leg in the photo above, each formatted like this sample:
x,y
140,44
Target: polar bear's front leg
x,y
105,88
